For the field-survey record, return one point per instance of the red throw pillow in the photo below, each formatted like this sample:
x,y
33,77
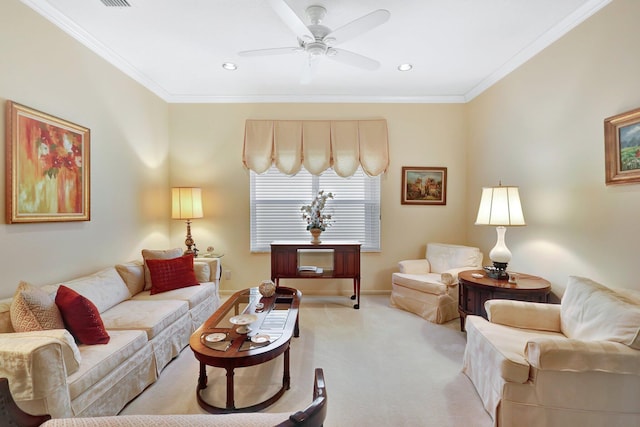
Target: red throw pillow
x,y
81,317
170,274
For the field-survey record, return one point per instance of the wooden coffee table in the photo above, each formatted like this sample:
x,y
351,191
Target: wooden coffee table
x,y
221,343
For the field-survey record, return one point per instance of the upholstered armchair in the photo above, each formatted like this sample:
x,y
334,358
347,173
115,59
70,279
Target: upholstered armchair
x,y
429,287
556,365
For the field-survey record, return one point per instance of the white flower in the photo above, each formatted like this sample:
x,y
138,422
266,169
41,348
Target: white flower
x,y
313,213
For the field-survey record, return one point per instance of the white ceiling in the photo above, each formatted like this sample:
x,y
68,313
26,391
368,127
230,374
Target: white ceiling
x,y
176,48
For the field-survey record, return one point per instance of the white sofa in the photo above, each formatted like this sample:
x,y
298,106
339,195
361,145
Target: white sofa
x,y
559,365
429,287
50,374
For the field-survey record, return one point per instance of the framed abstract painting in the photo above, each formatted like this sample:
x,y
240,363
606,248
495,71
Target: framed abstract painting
x,y
47,167
424,185
622,148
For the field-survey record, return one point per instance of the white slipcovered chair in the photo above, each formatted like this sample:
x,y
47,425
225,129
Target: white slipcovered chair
x,y
429,287
558,365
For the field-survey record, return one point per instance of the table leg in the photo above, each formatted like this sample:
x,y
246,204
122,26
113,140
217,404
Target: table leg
x,y
356,292
230,400
286,377
202,378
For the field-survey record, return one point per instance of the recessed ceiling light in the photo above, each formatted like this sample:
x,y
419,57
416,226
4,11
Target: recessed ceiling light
x,y
405,67
229,66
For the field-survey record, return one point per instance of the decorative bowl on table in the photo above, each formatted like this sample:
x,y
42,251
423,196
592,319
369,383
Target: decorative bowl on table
x,y
243,321
267,288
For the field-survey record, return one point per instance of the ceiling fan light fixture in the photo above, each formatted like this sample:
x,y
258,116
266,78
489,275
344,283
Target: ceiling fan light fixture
x,y
405,67
229,66
316,48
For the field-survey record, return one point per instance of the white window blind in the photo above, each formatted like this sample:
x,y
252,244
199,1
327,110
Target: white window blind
x,y
276,200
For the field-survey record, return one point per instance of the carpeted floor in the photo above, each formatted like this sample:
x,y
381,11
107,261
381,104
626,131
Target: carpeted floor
x,y
382,366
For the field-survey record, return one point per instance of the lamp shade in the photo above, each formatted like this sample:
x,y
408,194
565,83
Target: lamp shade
x,y
500,206
186,203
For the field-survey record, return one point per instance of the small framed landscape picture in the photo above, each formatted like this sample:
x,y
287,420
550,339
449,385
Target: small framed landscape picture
x,y
622,148
47,167
424,185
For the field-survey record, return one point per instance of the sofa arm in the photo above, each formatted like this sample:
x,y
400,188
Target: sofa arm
x,y
414,266
37,365
525,315
454,273
582,356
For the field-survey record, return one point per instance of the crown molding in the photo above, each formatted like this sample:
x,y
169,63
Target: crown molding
x,y
541,43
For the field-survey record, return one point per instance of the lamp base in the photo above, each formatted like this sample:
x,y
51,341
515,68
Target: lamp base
x,y
498,271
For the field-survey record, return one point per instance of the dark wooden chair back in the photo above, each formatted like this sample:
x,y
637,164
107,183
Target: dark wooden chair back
x,y
316,412
11,415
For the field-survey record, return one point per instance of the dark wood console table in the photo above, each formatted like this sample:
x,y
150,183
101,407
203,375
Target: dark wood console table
x,y
473,292
285,256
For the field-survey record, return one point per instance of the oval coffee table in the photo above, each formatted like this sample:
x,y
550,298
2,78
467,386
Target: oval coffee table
x,y
231,338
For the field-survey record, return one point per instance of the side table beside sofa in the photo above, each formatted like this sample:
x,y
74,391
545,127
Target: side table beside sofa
x,y
49,373
475,288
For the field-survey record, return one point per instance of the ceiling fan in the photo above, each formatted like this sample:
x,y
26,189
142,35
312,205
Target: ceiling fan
x,y
317,41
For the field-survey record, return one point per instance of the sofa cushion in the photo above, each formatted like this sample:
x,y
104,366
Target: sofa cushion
x,y
5,315
170,274
98,361
104,288
33,309
443,257
157,254
429,283
153,317
203,271
133,275
81,317
593,312
194,295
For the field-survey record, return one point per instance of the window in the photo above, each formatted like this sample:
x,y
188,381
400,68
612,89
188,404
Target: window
x,y
276,200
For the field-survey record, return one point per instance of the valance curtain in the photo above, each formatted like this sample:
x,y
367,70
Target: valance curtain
x,y
317,145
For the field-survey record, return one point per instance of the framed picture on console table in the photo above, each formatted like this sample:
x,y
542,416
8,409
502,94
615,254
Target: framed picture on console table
x,y
622,148
47,167
424,185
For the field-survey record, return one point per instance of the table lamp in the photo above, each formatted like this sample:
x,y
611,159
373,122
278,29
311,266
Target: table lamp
x,y
500,206
186,204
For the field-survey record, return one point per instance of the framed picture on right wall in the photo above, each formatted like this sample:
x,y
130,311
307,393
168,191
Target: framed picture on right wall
x,y
622,148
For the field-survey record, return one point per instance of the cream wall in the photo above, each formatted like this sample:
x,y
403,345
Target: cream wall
x,y
541,128
43,68
206,151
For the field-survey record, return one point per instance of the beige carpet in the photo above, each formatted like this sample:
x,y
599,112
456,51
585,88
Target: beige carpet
x,y
382,366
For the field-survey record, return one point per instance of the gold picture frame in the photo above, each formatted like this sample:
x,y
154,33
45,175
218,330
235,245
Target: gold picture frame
x,y
424,185
622,148
47,167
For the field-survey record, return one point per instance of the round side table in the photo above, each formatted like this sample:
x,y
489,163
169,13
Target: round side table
x,y
473,292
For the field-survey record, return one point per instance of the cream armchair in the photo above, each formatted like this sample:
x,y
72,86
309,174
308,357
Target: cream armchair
x,y
550,365
429,287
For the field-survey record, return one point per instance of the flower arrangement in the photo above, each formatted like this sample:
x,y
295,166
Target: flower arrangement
x,y
313,213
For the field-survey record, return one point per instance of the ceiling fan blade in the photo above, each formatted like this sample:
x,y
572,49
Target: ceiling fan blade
x,y
310,69
354,59
359,26
292,20
271,51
